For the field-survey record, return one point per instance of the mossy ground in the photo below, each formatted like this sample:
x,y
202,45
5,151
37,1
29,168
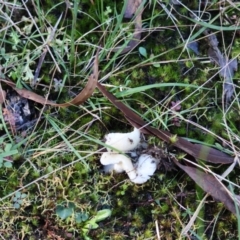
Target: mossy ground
x,y
50,167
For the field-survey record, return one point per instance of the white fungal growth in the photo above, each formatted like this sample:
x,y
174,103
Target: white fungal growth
x,y
123,141
145,168
116,162
138,173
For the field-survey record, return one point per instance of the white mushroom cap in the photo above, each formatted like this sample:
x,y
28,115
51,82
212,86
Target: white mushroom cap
x,y
147,165
123,141
145,168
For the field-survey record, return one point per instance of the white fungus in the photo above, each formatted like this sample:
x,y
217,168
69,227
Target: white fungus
x,y
145,168
113,161
123,141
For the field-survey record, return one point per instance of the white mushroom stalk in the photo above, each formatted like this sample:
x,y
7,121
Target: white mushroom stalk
x,y
114,161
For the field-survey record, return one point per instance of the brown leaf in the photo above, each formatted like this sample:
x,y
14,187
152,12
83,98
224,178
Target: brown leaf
x,y
227,67
79,99
198,151
176,106
2,95
133,7
10,117
209,184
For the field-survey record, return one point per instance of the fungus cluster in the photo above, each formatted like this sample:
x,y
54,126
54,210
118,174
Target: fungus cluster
x,y
115,159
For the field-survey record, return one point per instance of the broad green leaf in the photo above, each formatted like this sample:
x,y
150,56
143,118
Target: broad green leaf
x,y
143,51
17,194
91,225
65,212
156,65
85,216
81,217
9,153
8,147
102,214
23,195
16,205
7,164
78,217
49,169
71,205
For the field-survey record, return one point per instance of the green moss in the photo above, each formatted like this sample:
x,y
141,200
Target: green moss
x,y
135,208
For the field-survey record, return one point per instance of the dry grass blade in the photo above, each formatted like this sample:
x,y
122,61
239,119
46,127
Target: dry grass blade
x,y
193,217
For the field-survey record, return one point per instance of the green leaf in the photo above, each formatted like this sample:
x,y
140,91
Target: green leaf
x,y
78,217
65,211
8,147
220,147
91,225
71,205
9,153
49,169
16,205
102,214
15,38
156,65
17,194
81,217
143,51
85,216
23,195
7,164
